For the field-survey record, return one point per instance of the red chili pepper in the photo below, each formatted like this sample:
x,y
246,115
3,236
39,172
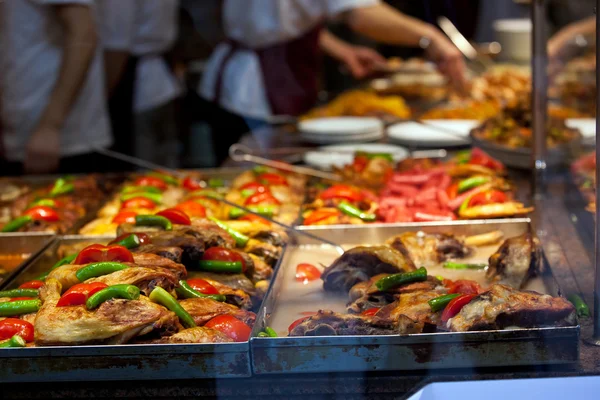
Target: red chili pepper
x,y
32,285
150,181
269,178
98,252
144,239
261,198
223,254
125,217
10,327
307,272
231,326
320,215
175,216
192,208
370,311
191,184
43,213
455,306
202,286
78,294
463,286
20,298
341,192
487,197
138,202
255,186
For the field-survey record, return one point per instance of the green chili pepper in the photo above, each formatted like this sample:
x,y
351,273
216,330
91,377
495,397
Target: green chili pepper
x,y
186,291
270,331
60,263
267,211
216,182
19,293
240,238
234,267
206,193
472,182
463,157
247,192
371,156
153,220
130,242
464,205
352,211
17,223
164,177
262,334
260,169
19,307
392,281
439,278
454,265
61,186
439,303
43,202
127,292
98,269
15,341
160,296
154,197
140,189
582,308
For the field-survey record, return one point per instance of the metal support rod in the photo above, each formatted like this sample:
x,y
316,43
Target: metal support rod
x,y
596,338
539,98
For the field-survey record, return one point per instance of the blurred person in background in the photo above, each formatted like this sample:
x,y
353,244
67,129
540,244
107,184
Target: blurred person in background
x,y
270,63
51,82
136,35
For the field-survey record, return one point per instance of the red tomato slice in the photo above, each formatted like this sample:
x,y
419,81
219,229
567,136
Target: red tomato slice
x,y
150,181
261,198
456,305
202,286
10,327
463,286
269,178
320,215
191,184
175,216
43,213
223,254
98,252
255,186
138,202
192,208
124,217
78,294
307,272
341,192
298,322
231,326
487,197
32,285
370,311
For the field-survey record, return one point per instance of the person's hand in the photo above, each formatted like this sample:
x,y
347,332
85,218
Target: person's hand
x,y
449,60
42,153
362,61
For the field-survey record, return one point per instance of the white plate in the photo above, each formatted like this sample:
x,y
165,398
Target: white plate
x,y
341,126
587,126
326,157
416,134
327,139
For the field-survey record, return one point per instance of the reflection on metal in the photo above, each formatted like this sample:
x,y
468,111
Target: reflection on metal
x,y
539,96
596,338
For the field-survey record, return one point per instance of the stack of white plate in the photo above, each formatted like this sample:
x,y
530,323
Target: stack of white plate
x,y
433,133
341,130
327,157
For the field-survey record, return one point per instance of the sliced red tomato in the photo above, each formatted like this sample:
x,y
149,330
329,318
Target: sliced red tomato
x,y
298,322
192,208
191,184
371,311
487,197
98,253
254,218
360,163
223,254
78,294
176,216
10,327
231,326
150,181
320,215
144,239
255,186
463,286
269,178
138,202
43,213
479,157
341,192
452,191
125,217
20,298
307,272
202,286
261,198
32,285
456,305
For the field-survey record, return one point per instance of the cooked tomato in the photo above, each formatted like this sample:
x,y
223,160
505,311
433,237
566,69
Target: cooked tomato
x,y
192,208
455,306
176,216
32,285
138,202
320,215
98,253
125,217
341,192
10,327
150,181
307,272
261,198
78,294
231,326
463,286
298,322
370,311
223,254
487,197
269,178
202,286
43,213
191,184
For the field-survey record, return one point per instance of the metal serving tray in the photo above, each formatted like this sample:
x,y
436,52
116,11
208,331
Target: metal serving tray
x,y
16,243
403,352
122,362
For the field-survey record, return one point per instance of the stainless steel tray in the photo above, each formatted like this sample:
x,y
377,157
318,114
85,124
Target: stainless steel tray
x,y
402,352
15,243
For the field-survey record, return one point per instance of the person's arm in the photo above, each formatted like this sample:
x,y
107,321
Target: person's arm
x,y
115,64
78,49
559,42
360,60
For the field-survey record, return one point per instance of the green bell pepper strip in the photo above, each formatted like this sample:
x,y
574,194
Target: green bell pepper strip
x,y
439,278
186,291
247,192
352,211
153,220
17,223
130,242
61,186
234,267
270,332
19,307
471,183
463,157
19,293
164,177
216,183
43,202
140,189
98,269
392,281
206,193
267,211
454,265
240,238
154,197
15,341
371,156
127,292
260,169
580,306
439,303
162,297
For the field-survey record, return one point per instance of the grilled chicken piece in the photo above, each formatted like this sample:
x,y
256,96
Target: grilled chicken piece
x,y
195,335
412,311
157,262
515,261
262,270
428,249
116,321
144,278
204,309
361,263
237,297
268,252
170,252
502,306
329,323
234,281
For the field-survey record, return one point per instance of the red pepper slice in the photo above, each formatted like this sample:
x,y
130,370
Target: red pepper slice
x,y
223,254
341,192
231,326
191,184
10,327
192,208
269,178
150,181
32,285
43,213
487,197
320,215
98,252
456,305
307,272
78,294
124,217
138,202
371,311
298,322
175,216
202,286
261,198
144,239
463,286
